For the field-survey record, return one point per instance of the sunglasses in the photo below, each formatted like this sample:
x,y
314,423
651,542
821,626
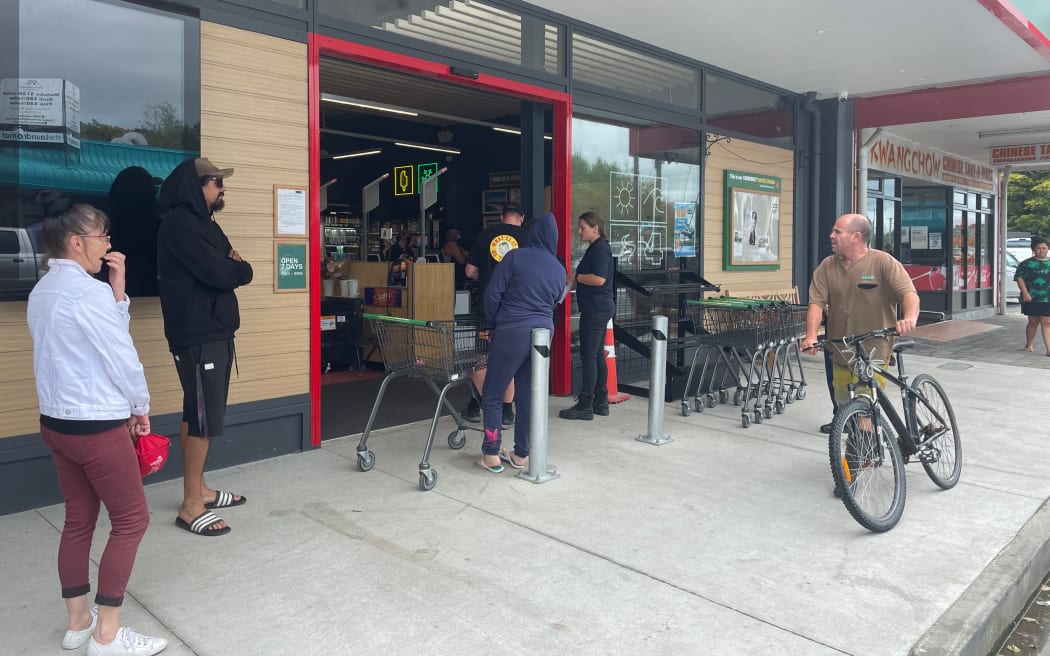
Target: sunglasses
x,y
208,178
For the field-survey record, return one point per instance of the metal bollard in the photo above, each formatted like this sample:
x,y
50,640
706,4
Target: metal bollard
x,y
657,382
537,471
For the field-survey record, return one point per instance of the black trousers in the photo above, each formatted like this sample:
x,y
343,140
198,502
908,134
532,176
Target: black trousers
x,y
595,373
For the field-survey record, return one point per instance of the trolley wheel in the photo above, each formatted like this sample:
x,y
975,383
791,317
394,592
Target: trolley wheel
x,y
801,393
723,397
686,410
745,420
457,439
738,396
698,405
779,407
758,416
366,460
790,396
767,411
710,400
427,480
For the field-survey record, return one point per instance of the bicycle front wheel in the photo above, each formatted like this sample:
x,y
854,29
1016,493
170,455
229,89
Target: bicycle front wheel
x,y
940,448
867,467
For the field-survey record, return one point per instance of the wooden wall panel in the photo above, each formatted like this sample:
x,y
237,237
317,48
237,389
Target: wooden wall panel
x,y
253,118
740,155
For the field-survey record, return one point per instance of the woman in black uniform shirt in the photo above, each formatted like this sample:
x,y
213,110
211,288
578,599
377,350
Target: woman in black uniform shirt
x,y
594,296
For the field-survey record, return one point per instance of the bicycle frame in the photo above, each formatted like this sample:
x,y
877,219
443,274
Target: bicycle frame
x,y
907,426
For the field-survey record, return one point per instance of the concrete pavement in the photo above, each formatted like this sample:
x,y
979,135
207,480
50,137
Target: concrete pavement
x,y
726,541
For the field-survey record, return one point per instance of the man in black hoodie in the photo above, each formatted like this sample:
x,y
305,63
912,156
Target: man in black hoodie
x,y
520,296
197,271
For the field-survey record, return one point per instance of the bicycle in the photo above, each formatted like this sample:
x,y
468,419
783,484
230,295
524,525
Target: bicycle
x,y
867,463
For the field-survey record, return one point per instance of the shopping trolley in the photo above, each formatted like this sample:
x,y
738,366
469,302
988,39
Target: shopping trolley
x,y
756,341
439,352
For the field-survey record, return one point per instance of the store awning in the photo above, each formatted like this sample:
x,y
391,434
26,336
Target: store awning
x,y
90,172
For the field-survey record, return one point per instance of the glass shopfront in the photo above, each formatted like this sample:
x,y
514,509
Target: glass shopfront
x,y
101,100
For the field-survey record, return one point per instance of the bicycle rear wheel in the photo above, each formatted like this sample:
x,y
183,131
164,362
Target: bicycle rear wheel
x,y
940,448
867,467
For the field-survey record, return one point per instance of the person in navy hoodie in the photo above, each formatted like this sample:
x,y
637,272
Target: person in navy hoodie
x,y
520,296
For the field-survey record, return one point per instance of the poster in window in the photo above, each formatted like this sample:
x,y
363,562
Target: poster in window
x,y
751,221
685,229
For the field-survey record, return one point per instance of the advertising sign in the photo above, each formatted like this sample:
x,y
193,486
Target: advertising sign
x,y
383,296
290,266
894,154
1026,154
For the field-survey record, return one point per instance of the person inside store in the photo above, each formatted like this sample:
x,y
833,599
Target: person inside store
x,y
456,254
593,281
1033,281
520,296
860,289
94,403
402,250
198,272
490,247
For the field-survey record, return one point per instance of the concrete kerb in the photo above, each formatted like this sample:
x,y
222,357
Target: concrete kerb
x,y
981,616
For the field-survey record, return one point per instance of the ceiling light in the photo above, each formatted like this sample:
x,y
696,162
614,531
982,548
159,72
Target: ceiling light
x,y
507,130
406,144
358,153
326,97
1011,131
548,137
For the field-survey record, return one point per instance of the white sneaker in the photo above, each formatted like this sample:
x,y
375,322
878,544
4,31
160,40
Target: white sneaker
x,y
128,642
76,639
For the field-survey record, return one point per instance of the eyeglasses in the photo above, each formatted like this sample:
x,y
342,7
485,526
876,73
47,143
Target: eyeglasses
x,y
106,237
206,179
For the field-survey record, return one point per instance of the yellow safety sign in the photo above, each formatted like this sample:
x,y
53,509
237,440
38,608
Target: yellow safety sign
x,y
404,180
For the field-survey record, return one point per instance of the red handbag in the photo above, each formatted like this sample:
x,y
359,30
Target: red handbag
x,y
152,452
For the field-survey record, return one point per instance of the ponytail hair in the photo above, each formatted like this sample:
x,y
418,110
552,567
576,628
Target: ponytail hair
x,y
594,220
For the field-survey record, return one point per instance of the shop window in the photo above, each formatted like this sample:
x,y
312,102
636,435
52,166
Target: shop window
x,y
473,27
644,179
746,109
628,71
923,238
103,119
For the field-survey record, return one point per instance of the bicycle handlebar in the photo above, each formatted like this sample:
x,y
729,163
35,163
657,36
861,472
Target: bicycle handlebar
x,y
850,340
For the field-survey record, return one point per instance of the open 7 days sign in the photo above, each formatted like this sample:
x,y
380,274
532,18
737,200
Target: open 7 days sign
x,y
289,267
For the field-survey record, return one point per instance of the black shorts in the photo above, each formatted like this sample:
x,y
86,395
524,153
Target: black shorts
x,y
204,372
1035,309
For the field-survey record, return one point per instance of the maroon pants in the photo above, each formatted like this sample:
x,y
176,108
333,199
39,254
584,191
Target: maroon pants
x,y
93,468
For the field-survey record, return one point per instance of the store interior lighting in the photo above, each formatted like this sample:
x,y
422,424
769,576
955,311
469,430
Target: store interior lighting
x,y
379,107
358,153
438,149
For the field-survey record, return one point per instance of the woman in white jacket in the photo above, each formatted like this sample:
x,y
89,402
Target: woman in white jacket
x,y
93,404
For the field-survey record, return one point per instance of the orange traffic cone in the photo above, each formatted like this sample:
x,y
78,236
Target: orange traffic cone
x,y
615,395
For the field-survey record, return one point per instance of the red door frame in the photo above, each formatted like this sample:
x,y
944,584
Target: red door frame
x,y
560,180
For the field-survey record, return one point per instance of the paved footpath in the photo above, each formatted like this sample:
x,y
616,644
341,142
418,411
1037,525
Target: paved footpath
x,y
725,541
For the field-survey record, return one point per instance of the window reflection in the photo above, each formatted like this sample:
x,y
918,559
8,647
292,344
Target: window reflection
x,y
102,118
645,181
467,25
628,71
742,108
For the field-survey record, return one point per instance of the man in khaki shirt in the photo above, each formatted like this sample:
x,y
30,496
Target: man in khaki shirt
x,y
859,289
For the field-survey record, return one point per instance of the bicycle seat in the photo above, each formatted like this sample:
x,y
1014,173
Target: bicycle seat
x,y
902,343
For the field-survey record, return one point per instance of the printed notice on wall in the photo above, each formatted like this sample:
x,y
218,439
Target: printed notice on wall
x,y
920,238
289,209
935,241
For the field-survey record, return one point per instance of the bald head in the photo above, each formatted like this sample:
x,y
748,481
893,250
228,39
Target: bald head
x,y
849,237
